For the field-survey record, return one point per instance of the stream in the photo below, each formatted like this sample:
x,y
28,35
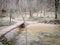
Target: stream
x,y
36,35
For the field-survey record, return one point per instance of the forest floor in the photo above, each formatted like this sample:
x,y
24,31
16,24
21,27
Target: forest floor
x,y
38,33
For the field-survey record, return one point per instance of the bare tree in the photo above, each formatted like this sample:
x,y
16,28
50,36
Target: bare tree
x,y
56,7
29,4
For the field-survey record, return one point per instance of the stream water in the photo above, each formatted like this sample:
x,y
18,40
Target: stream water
x,y
37,35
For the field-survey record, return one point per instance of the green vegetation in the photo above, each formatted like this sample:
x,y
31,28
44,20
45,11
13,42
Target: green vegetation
x,y
6,23
7,43
33,19
1,43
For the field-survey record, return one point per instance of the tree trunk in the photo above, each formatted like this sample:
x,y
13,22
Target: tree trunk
x,y
10,18
30,13
55,13
56,7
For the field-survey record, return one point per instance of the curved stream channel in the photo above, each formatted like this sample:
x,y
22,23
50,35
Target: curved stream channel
x,y
36,35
